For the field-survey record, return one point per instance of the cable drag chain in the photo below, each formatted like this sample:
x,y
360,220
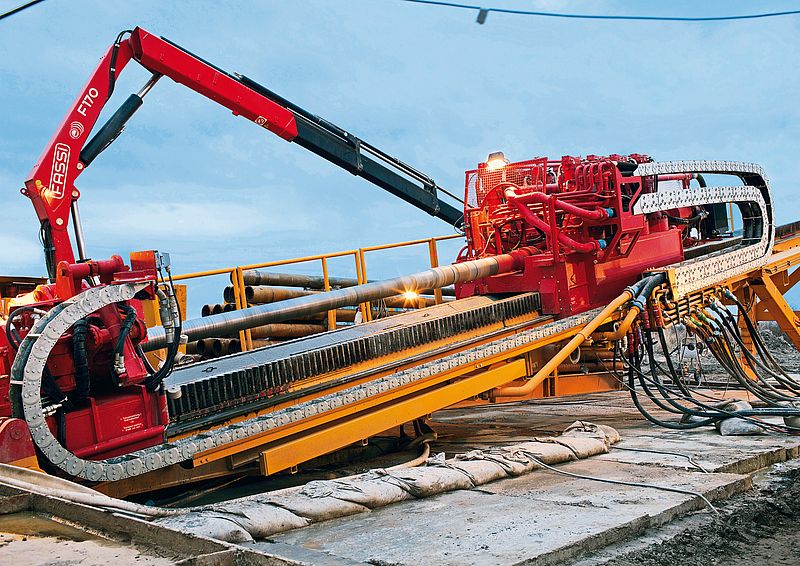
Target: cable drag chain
x,y
700,272
48,329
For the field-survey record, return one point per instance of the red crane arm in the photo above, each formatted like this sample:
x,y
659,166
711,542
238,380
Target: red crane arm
x,y
51,183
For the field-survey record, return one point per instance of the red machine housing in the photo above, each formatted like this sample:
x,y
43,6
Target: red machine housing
x,y
577,214
109,412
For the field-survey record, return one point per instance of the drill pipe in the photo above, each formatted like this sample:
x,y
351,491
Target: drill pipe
x,y
204,346
342,315
216,347
400,302
227,322
216,309
256,277
225,347
261,294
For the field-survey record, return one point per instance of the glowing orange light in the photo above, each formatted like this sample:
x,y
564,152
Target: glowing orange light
x,y
496,160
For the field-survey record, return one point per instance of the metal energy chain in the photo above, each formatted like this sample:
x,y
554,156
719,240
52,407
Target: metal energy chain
x,y
37,345
705,270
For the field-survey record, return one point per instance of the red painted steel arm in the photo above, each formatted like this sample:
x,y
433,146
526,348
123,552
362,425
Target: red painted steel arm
x,y
161,56
51,183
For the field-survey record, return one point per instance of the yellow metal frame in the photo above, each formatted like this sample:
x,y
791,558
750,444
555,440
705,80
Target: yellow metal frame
x,y
426,393
761,291
286,447
352,428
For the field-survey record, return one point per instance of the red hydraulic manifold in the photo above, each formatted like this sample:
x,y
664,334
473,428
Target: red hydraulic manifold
x,y
576,213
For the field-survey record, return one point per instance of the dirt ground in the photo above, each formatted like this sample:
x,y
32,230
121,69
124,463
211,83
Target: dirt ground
x,y
60,550
760,527
757,528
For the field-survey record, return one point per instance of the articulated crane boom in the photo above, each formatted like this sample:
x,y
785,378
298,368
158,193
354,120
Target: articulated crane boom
x,y
51,183
90,394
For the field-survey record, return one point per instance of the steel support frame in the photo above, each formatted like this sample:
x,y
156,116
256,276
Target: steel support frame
x,y
245,451
779,310
341,433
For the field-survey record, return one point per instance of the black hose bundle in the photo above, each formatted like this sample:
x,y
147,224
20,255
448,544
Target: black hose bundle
x,y
709,414
125,328
721,334
80,331
154,380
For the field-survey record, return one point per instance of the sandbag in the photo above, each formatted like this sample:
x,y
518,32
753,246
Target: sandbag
x,y
260,516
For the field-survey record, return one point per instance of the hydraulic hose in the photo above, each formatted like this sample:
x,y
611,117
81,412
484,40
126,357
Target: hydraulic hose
x,y
719,413
577,340
125,328
709,412
542,198
676,407
622,331
82,384
20,361
637,403
124,332
535,221
673,373
723,350
754,361
754,333
767,362
173,325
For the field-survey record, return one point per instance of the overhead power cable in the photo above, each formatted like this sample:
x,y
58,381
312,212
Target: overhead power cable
x,y
19,9
483,13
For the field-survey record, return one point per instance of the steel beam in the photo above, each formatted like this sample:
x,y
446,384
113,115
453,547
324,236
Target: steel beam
x,y
341,433
779,309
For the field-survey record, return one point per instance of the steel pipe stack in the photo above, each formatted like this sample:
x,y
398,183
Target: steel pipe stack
x,y
216,347
286,331
260,315
342,315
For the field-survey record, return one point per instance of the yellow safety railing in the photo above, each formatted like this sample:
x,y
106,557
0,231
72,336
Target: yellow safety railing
x,y
236,275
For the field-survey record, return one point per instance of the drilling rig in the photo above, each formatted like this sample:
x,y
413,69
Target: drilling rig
x,y
575,250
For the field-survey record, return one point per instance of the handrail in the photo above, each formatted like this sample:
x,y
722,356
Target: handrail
x,y
237,277
223,270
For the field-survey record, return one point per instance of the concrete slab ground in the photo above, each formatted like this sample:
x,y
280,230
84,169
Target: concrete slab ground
x,y
544,517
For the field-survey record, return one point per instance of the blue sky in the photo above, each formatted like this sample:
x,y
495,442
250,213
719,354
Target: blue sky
x,y
426,84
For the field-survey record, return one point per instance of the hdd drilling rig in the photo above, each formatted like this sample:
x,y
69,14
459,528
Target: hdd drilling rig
x,y
560,255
